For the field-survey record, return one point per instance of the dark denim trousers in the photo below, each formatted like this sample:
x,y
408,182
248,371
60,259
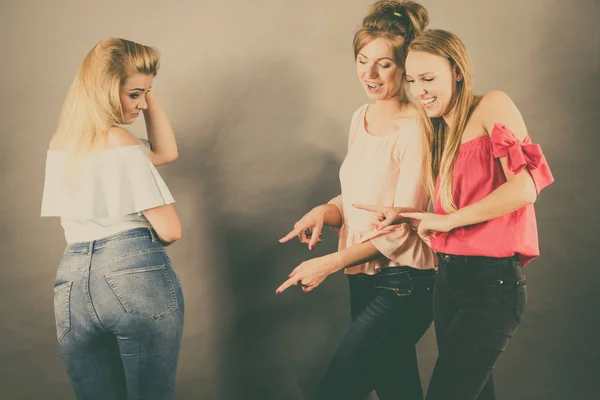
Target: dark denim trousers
x,y
391,311
478,303
118,307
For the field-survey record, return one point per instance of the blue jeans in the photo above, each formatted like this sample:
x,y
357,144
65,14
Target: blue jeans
x,y
391,311
118,307
478,304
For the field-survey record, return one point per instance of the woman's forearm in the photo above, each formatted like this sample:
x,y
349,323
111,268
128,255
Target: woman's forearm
x,y
332,215
507,198
160,132
356,255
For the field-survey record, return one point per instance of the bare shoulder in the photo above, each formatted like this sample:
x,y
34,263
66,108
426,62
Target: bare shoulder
x,y
496,102
120,137
496,107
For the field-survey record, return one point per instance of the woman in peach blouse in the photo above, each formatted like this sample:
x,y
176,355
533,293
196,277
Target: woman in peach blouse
x,y
390,269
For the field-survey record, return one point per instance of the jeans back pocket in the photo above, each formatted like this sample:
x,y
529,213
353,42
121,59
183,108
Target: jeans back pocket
x,y
62,309
145,292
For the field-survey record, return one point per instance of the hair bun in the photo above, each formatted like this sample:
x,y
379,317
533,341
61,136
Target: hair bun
x,y
415,14
399,21
406,18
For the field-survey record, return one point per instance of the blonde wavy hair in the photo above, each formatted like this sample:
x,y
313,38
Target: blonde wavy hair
x,y
93,105
441,142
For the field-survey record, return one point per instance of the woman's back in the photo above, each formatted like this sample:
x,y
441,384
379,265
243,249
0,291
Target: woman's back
x,y
108,191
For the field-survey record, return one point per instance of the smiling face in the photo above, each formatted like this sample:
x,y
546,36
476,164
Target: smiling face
x,y
132,94
432,81
377,71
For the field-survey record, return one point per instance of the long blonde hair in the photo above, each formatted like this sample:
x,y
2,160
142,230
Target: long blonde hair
x,y
396,21
442,142
93,105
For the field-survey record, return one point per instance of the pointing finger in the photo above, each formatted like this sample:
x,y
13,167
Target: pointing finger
x,y
366,207
293,233
290,282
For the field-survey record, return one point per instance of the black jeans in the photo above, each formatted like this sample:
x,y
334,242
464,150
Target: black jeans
x,y
391,311
478,303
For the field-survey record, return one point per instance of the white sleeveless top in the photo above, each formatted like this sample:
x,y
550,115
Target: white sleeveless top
x,y
110,192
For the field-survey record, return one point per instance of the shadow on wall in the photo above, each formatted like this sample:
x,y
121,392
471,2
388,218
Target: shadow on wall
x,y
560,283
256,174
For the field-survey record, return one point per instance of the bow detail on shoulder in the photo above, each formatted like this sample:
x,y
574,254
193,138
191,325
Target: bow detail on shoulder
x,y
520,154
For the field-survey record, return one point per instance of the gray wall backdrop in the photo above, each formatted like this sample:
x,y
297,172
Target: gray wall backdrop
x,y
260,94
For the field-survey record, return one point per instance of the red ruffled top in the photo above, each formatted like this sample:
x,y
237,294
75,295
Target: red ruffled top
x,y
477,173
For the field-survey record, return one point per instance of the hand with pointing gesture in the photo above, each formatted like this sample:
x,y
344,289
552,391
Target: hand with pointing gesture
x,y
430,224
312,273
385,216
308,228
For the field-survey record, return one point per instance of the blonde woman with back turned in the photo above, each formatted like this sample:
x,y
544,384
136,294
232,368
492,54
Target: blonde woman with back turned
x,y
118,303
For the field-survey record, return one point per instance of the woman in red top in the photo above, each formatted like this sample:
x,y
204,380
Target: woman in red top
x,y
484,174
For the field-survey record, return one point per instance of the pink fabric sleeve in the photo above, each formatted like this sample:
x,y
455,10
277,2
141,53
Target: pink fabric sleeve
x,y
521,154
400,243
